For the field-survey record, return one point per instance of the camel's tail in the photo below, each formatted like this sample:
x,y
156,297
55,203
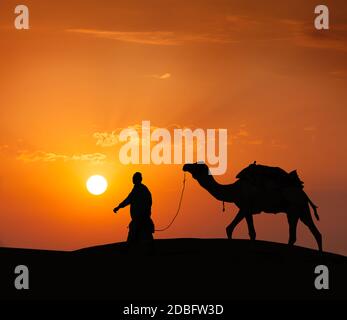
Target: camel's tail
x,y
314,207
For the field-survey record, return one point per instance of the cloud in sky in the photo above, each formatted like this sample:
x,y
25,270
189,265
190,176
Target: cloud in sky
x,y
300,33
111,138
108,139
53,157
161,38
163,76
236,29
303,34
153,38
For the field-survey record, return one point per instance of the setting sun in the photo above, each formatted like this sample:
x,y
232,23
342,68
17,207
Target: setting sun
x,y
96,185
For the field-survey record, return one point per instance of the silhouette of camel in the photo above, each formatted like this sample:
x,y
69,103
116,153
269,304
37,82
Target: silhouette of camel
x,y
252,198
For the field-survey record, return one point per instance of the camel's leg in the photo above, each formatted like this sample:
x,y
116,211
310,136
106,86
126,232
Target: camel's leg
x,y
251,230
230,228
293,222
307,220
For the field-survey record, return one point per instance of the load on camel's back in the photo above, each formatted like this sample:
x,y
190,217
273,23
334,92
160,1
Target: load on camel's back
x,y
272,181
270,177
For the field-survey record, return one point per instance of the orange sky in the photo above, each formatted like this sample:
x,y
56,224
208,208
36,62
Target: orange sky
x,y
257,68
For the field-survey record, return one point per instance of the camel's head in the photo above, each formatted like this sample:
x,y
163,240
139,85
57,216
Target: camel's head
x,y
197,169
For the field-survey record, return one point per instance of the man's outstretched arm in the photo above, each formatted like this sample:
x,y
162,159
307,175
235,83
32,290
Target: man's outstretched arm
x,y
124,203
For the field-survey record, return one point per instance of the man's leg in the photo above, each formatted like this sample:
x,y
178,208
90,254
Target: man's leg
x,y
147,241
131,240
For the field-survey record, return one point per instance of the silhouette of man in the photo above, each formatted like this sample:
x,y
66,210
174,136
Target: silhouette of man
x,y
141,227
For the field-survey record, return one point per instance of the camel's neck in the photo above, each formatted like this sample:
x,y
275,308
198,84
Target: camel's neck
x,y
219,191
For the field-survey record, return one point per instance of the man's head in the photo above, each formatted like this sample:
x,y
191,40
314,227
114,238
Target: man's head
x,y
137,178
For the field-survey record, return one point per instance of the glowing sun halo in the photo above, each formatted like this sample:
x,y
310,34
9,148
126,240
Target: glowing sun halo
x,y
96,185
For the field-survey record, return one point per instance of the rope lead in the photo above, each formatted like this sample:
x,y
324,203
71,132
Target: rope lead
x,y
179,206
